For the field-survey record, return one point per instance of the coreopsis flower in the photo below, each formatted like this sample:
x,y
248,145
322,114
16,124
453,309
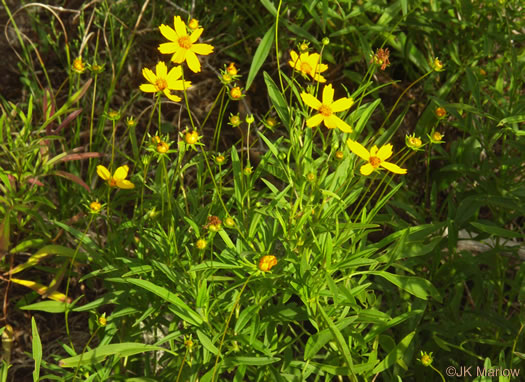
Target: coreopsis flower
x,y
304,46
131,122
381,57
219,159
201,244
183,46
113,115
163,81
308,65
102,320
235,120
440,112
436,138
96,68
229,222
267,262
191,137
193,24
118,179
426,358
250,119
437,65
339,154
232,69
413,142
95,207
271,122
236,93
214,223
327,109
162,147
248,170
375,157
78,65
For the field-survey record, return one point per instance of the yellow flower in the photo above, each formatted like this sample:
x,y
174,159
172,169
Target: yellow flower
x,y
327,108
102,320
250,119
339,154
131,122
426,358
232,69
162,147
201,244
235,120
193,24
413,142
219,159
440,112
164,81
236,93
191,137
267,262
308,64
437,65
304,46
78,65
118,179
436,137
183,45
271,122
375,158
95,207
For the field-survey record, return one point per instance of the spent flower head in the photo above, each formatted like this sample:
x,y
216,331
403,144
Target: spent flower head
x,y
270,122
131,122
413,142
193,24
426,359
78,65
235,120
436,138
118,179
304,46
164,82
375,157
95,207
219,159
327,109
183,46
236,93
440,112
201,244
162,147
437,65
250,119
96,68
381,57
191,137
308,65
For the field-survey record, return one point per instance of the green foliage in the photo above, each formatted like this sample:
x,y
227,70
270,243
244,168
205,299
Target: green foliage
x,y
258,250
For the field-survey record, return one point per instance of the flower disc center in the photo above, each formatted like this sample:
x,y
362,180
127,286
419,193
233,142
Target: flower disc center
x,y
185,42
325,110
374,161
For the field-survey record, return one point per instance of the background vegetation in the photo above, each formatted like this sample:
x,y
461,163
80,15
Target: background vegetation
x,y
381,277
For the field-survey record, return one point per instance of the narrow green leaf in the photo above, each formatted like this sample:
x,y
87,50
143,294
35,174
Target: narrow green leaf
x,y
260,55
278,101
46,306
206,342
497,231
180,308
100,353
414,285
37,350
513,119
395,354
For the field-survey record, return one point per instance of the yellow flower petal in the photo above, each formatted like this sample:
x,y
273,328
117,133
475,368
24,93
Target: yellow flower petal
x,y
161,69
358,149
103,172
310,100
174,74
328,95
366,169
393,167
148,88
125,184
385,152
121,173
330,122
314,121
196,34
373,151
168,47
179,55
180,27
341,125
172,97
202,49
168,32
342,104
193,62
294,59
149,75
